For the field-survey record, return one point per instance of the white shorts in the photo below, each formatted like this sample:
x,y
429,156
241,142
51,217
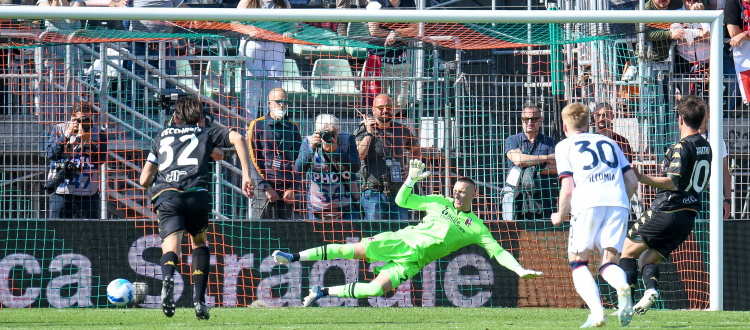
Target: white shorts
x,y
601,226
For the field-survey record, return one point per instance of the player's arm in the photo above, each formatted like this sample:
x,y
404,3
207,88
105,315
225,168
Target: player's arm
x,y
148,173
503,257
631,182
563,202
243,152
523,160
405,197
668,182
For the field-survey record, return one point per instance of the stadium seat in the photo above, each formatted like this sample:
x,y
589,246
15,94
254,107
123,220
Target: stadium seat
x,y
219,82
357,29
185,75
316,51
294,88
628,128
333,89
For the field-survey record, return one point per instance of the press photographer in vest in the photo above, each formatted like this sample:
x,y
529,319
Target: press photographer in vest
x,y
75,150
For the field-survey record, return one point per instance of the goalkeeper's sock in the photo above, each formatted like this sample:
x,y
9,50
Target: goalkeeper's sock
x,y
201,263
650,276
169,262
328,252
586,286
630,267
356,290
614,275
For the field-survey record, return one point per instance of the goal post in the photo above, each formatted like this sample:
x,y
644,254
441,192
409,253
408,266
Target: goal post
x,y
442,124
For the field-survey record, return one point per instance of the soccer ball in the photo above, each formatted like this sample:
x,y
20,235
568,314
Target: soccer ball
x,y
120,292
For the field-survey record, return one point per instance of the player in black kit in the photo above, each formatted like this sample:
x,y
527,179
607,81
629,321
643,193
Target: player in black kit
x,y
686,169
176,174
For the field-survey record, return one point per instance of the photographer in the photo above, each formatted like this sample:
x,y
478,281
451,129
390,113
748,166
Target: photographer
x,y
331,160
382,144
75,150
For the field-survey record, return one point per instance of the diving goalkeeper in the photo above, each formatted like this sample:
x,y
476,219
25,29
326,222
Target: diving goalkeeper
x,y
448,226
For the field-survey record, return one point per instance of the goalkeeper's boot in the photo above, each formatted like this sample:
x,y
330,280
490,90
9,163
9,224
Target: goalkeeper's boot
x,y
625,304
167,296
201,310
282,257
316,293
595,321
649,298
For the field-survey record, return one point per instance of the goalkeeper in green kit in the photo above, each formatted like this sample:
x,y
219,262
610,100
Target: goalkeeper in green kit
x,y
448,226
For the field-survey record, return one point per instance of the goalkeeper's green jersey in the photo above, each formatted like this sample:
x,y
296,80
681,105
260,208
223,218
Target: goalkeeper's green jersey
x,y
444,229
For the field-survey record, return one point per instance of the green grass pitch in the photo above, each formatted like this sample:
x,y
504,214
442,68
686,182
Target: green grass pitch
x,y
357,318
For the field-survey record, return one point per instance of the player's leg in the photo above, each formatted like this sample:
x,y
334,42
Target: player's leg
x,y
325,252
171,229
648,261
583,230
201,264
610,241
390,276
635,245
196,224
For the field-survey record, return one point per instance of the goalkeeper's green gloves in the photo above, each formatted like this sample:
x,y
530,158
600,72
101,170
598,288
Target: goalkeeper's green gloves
x,y
526,273
416,172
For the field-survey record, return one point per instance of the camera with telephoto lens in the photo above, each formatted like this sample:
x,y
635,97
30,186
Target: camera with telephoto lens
x,y
167,104
85,123
327,136
63,171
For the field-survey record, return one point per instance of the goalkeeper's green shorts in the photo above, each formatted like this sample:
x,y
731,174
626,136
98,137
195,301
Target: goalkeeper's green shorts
x,y
401,260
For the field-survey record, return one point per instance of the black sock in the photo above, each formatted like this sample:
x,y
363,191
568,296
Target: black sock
x,y
201,263
630,267
325,291
650,276
169,262
295,257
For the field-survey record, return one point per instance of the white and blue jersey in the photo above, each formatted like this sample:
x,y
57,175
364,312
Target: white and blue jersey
x,y
597,164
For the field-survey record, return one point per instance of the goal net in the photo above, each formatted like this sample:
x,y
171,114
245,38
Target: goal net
x,y
457,89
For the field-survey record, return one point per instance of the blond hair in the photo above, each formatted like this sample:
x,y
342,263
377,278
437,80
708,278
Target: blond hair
x,y
576,116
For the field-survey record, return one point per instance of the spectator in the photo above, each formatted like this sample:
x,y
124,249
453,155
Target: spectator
x,y
727,192
694,44
341,28
75,150
330,158
274,144
531,177
603,117
735,19
382,144
392,62
153,50
54,89
660,38
264,61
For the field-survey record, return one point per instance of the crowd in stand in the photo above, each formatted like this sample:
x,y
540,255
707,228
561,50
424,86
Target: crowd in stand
x,y
333,161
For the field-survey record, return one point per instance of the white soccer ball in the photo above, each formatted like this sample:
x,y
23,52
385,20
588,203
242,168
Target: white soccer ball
x,y
120,292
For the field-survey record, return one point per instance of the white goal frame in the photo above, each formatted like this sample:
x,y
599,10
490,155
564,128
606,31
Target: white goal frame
x,y
714,17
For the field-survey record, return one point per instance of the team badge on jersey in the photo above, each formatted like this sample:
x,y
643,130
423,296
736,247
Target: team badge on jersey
x,y
468,222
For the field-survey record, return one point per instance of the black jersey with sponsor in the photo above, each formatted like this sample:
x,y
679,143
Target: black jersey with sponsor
x,y
182,153
688,163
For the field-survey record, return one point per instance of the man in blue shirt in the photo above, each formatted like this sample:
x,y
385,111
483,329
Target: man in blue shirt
x,y
531,174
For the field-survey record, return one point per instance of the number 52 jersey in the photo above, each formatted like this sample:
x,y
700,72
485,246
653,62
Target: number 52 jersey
x,y
183,153
688,164
596,163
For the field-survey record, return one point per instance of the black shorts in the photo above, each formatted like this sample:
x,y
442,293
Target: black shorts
x,y
188,211
662,231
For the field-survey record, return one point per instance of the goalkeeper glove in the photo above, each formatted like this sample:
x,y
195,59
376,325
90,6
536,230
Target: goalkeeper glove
x,y
416,172
526,273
